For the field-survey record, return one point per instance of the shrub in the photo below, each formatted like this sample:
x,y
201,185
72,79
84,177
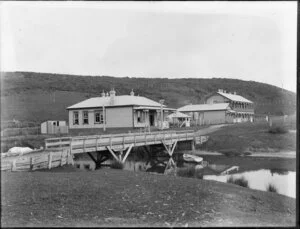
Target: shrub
x,y
186,172
272,188
278,130
117,165
189,172
238,181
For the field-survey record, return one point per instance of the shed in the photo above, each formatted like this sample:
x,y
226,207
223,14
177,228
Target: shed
x,y
54,127
178,118
203,114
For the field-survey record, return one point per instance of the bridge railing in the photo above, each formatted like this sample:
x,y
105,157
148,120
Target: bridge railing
x,y
115,139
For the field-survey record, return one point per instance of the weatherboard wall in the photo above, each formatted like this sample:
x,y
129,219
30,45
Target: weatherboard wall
x,y
214,117
115,117
119,117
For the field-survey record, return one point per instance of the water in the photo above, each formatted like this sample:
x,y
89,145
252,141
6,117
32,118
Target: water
x,y
283,180
260,179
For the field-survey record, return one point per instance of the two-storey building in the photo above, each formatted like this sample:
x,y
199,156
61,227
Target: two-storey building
x,y
242,107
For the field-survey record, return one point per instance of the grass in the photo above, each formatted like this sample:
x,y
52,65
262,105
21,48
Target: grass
x,y
248,137
117,165
272,188
238,181
109,197
189,172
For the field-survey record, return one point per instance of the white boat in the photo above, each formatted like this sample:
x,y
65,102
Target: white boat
x,y
192,158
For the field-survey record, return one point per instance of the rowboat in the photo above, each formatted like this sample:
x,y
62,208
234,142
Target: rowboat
x,y
192,158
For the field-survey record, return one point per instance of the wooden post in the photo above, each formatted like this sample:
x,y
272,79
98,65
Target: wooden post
x,y
50,160
31,163
14,168
127,153
61,158
97,144
134,139
71,145
84,145
112,153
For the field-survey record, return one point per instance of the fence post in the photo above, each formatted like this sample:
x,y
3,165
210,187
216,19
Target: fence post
x,y
61,158
31,163
13,168
50,160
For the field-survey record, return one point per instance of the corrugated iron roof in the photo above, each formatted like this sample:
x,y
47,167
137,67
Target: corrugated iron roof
x,y
178,114
236,98
204,107
121,100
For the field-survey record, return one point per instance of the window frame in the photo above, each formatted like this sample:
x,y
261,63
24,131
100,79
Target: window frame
x,y
75,113
85,118
101,117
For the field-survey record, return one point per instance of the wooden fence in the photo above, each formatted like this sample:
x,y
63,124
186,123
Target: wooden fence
x,y
41,161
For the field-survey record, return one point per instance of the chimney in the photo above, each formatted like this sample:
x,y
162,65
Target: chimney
x,y
103,93
112,94
224,91
132,93
234,92
219,90
106,95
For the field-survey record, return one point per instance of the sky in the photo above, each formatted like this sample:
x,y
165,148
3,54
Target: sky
x,y
241,40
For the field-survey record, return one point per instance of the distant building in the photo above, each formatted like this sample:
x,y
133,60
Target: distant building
x,y
179,119
54,127
205,114
244,109
116,111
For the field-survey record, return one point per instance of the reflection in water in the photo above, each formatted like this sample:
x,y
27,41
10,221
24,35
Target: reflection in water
x,y
283,180
260,179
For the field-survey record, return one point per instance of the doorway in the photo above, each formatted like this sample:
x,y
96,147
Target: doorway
x,y
151,118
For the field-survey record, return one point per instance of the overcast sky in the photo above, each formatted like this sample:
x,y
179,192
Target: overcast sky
x,y
242,40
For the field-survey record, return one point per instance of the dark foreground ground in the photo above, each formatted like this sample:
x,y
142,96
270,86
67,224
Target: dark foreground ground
x,y
108,197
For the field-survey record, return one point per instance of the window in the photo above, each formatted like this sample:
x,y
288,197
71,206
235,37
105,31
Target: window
x,y
75,118
85,117
139,118
99,117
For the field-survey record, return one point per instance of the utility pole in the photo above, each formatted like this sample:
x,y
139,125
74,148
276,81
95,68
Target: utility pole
x,y
104,118
161,113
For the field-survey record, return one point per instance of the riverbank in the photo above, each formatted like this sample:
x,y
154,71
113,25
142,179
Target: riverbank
x,y
249,138
108,197
291,154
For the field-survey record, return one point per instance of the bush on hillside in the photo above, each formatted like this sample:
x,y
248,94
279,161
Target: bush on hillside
x,y
238,181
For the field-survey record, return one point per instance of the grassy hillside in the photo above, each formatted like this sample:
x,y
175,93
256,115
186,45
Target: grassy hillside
x,y
41,96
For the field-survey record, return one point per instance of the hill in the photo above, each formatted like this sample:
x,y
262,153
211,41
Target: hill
x,y
37,97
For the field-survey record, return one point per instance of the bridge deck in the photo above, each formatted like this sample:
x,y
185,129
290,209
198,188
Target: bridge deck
x,y
118,142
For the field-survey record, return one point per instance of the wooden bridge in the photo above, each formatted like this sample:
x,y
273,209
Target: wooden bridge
x,y
116,144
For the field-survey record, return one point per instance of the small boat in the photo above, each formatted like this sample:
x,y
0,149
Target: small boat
x,y
192,158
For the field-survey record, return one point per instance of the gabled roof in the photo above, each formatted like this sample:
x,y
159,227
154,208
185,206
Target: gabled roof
x,y
121,100
178,114
204,107
233,97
